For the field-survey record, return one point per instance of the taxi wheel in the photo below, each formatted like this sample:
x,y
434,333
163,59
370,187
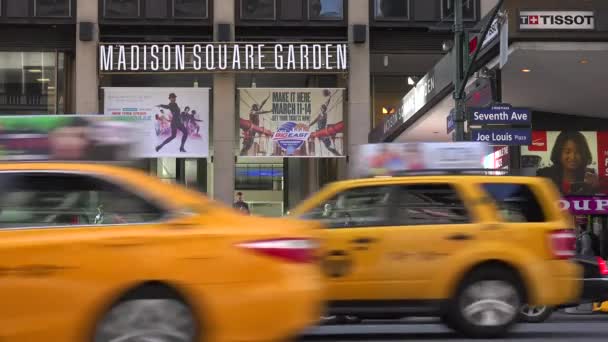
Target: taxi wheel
x,y
487,303
162,320
534,314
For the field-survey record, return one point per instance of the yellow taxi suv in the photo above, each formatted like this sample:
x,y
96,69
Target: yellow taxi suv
x,y
470,249
92,252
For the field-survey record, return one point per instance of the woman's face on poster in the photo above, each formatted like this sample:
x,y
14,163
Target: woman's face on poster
x,y
571,156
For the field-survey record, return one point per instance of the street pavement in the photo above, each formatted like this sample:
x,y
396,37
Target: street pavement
x,y
560,327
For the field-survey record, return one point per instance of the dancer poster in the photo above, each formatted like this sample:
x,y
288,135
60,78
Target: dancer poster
x,y
291,122
173,122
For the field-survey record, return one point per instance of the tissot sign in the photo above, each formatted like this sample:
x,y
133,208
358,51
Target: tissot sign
x,y
556,20
329,57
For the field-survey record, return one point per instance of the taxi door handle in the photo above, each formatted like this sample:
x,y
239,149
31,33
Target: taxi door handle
x,y
363,240
459,237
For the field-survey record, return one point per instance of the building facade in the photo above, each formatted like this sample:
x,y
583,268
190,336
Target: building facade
x,y
283,89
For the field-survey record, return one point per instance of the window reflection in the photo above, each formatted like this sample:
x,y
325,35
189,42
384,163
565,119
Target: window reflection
x,y
190,8
122,8
29,82
326,9
52,8
258,9
391,9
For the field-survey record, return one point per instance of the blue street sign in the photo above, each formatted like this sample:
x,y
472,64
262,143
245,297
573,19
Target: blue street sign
x,y
451,122
503,136
500,114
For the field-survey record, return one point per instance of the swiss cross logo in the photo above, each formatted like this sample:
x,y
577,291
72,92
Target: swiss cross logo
x,y
533,19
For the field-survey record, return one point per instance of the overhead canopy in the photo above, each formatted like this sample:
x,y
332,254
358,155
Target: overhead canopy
x,y
562,77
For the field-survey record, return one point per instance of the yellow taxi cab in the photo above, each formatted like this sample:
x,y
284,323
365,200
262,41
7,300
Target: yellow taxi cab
x,y
92,252
471,249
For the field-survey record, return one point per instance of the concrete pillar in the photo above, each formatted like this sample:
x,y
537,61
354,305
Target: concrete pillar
x,y
86,86
359,94
224,116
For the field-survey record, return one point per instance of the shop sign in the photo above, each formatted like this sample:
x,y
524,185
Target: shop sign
x,y
500,114
328,57
171,122
556,20
585,205
395,158
503,136
291,122
67,138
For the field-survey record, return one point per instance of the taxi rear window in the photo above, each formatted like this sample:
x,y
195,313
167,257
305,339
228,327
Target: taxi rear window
x,y
516,202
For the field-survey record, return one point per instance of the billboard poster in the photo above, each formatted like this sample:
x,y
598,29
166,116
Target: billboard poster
x,y
291,122
173,122
576,161
392,159
66,138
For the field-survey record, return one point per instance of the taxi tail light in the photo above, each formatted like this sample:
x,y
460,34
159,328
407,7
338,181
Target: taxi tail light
x,y
296,250
563,243
601,264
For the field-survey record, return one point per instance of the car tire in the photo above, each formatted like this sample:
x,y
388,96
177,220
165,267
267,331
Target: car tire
x,y
157,319
487,303
534,314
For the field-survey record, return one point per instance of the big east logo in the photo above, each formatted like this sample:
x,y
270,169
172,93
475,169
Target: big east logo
x,y
291,136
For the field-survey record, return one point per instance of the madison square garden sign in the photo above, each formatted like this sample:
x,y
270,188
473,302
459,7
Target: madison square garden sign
x,y
317,57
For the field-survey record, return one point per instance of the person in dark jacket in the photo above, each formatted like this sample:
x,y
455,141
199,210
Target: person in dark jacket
x,y
571,157
176,123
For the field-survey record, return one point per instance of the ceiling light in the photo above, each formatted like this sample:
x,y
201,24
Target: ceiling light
x,y
411,81
525,70
35,71
584,61
50,88
387,111
43,80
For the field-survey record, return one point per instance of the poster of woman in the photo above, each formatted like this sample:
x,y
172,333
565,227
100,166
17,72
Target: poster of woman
x,y
569,159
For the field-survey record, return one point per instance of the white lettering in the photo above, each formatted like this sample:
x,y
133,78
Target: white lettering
x,y
564,204
223,58
291,57
278,57
210,57
107,57
236,58
122,59
145,57
341,57
197,62
303,56
316,57
180,57
260,57
601,204
134,57
327,57
249,56
155,63
166,57
578,206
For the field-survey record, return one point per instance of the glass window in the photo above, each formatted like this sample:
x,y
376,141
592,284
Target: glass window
x,y
166,169
325,9
52,8
122,8
259,177
430,204
47,199
468,9
16,8
29,82
258,9
190,8
391,9
359,207
516,202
